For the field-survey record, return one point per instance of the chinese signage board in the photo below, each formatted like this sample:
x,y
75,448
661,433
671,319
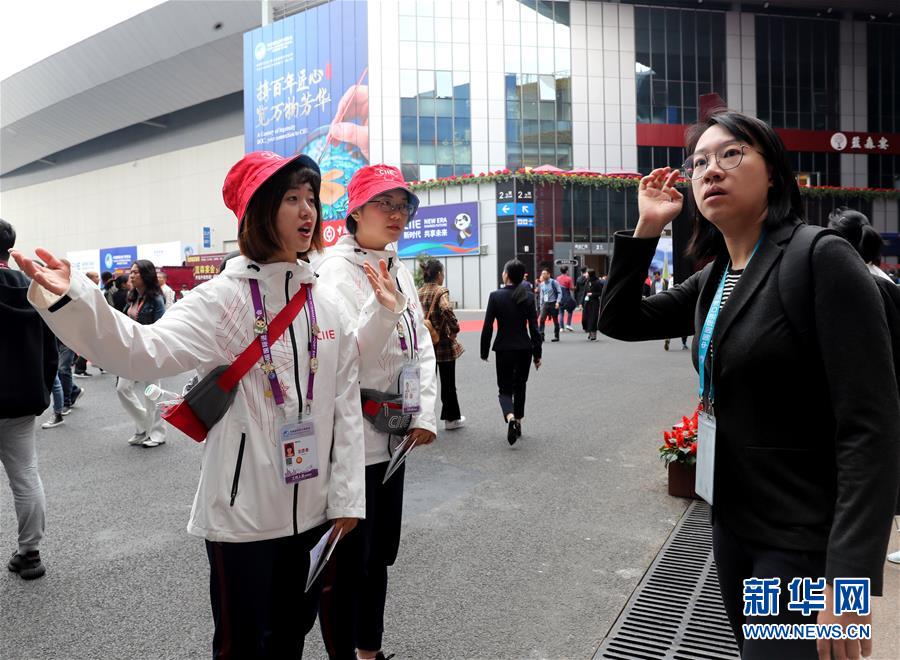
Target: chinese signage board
x,y
306,91
118,260
205,265
450,230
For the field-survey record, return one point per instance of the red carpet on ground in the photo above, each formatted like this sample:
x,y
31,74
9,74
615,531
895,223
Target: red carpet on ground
x,y
477,324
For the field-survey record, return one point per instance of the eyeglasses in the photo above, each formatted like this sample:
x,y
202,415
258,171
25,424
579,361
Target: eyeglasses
x,y
727,158
387,207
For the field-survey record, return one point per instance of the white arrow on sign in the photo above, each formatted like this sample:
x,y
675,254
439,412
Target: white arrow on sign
x,y
525,210
505,208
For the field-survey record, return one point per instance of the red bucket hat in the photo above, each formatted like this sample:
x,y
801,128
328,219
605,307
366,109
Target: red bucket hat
x,y
249,174
373,180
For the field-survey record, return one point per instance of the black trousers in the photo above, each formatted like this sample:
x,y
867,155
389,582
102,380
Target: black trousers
x,y
738,559
351,609
256,592
548,310
449,402
512,375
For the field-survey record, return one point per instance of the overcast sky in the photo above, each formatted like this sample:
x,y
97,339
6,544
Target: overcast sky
x,y
32,31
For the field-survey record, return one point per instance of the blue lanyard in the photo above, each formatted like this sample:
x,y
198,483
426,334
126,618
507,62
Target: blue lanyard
x,y
710,325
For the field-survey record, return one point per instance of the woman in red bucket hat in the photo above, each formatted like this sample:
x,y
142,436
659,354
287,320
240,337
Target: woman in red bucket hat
x,y
351,611
287,460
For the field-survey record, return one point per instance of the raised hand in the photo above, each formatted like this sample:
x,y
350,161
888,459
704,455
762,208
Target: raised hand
x,y
658,202
54,277
382,284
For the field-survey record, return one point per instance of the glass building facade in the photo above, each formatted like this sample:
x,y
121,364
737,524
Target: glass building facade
x,y
679,56
538,83
435,96
883,67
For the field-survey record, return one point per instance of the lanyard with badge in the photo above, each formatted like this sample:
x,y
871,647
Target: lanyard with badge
x,y
706,419
410,375
295,441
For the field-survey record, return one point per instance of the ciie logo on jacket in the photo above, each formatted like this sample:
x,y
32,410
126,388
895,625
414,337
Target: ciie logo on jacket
x,y
325,334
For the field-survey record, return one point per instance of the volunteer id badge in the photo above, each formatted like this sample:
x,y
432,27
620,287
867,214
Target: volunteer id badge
x,y
297,452
706,456
409,387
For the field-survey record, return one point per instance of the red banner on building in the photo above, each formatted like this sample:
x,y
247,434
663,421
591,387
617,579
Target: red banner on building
x,y
846,142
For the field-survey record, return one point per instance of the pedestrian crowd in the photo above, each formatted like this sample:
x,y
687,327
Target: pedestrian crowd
x,y
317,373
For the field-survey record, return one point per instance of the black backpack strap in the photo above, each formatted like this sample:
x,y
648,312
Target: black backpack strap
x,y
795,280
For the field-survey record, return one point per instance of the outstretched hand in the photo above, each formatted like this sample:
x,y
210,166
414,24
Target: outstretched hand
x,y
54,277
382,284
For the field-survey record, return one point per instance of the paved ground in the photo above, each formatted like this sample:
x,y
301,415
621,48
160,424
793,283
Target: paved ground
x,y
527,552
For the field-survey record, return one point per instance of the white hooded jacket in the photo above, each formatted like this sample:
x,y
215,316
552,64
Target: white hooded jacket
x,y
381,356
241,496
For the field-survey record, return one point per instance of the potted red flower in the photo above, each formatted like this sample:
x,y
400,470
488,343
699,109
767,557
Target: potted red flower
x,y
679,453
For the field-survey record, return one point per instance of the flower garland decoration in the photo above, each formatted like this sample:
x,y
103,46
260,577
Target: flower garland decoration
x,y
623,181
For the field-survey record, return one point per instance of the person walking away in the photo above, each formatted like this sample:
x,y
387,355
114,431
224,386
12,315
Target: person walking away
x,y
28,351
567,300
146,306
299,396
518,344
550,295
591,310
168,292
855,227
785,503
582,284
380,204
435,302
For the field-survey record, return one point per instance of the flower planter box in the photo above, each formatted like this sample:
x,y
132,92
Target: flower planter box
x,y
681,480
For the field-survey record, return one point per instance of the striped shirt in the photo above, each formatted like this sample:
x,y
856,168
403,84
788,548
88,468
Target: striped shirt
x,y
731,280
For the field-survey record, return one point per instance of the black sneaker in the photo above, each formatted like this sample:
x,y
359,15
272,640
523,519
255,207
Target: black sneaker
x,y
518,428
511,436
83,374
66,410
75,397
28,566
54,421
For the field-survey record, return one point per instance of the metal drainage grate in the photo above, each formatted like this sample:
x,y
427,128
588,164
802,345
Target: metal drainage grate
x,y
676,612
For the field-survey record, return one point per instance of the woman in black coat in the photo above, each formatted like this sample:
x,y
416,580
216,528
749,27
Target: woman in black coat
x,y
804,429
518,343
590,311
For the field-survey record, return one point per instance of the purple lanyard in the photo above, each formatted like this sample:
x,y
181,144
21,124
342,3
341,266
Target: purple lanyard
x,y
261,328
400,333
313,350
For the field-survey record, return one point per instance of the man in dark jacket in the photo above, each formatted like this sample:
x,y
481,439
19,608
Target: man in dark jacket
x,y
28,350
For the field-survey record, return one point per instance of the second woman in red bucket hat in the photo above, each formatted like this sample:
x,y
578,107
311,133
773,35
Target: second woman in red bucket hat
x,y
353,600
286,461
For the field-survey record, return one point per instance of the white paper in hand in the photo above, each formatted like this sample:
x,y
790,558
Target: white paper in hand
x,y
320,555
400,455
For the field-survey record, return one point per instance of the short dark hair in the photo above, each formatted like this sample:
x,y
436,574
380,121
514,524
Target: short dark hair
x,y
106,276
784,194
515,271
257,237
121,280
148,276
848,223
563,269
870,244
7,237
431,269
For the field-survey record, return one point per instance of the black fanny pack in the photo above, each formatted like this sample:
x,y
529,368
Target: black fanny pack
x,y
385,411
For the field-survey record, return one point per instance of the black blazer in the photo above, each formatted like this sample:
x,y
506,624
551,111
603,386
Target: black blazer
x,y
512,320
807,450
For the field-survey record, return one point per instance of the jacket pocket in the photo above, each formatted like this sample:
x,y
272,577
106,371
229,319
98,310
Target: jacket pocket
x,y
237,469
